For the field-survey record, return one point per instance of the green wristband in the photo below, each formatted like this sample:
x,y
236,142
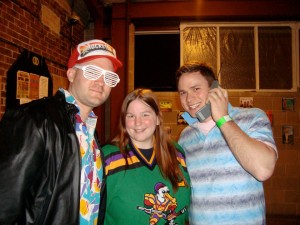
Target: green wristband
x,y
223,120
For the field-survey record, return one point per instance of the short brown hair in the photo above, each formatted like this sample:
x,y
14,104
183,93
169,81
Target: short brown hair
x,y
195,66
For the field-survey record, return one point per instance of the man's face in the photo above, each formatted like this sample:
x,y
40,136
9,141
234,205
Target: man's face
x,y
193,90
89,93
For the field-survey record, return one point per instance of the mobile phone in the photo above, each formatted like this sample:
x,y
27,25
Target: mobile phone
x,y
205,112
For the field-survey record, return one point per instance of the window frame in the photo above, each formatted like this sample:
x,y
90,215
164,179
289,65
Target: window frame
x,y
295,30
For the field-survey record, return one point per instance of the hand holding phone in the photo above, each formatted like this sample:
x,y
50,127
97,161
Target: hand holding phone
x,y
205,112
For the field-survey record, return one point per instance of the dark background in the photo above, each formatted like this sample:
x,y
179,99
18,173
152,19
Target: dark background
x,y
157,57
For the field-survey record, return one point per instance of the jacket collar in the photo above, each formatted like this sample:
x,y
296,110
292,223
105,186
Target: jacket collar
x,y
70,108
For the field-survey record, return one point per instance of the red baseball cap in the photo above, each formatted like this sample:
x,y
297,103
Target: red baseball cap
x,y
93,49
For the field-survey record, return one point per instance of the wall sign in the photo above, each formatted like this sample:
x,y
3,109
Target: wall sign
x,y
28,79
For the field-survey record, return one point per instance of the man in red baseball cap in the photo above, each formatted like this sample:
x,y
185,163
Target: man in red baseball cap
x,y
50,161
91,74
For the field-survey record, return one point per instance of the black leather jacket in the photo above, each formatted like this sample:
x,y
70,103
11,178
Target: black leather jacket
x,y
40,164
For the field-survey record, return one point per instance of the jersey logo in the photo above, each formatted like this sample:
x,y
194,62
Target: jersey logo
x,y
161,205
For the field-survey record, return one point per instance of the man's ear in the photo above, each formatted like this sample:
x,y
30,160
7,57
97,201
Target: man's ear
x,y
71,74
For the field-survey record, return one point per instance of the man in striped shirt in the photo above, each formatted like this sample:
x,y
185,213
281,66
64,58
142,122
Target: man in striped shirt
x,y
229,153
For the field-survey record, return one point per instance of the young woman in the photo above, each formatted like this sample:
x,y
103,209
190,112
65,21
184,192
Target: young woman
x,y
146,176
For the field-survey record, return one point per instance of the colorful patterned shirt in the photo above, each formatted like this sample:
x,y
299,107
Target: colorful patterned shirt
x,y
91,166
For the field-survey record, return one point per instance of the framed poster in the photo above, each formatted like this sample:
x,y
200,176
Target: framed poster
x,y
288,104
287,134
180,120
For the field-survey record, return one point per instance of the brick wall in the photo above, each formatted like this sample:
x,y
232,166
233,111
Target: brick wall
x,y
282,190
40,26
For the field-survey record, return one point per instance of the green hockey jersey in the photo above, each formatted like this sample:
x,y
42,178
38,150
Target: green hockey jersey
x,y
138,194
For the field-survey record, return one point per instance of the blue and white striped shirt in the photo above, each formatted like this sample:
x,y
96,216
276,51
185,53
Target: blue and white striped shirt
x,y
223,193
